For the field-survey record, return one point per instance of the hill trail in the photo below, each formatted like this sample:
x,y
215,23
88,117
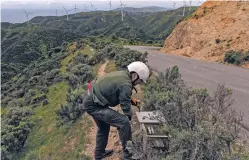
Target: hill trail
x,y
113,142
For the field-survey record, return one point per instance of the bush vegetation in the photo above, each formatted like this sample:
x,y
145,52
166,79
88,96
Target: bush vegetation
x,y
24,43
16,126
199,125
236,58
121,56
73,109
80,73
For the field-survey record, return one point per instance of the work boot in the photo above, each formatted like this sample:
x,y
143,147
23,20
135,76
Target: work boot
x,y
127,155
107,153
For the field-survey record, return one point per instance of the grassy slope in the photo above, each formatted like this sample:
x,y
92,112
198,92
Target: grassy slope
x,y
46,140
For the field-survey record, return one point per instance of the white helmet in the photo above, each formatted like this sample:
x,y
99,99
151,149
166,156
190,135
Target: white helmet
x,y
141,69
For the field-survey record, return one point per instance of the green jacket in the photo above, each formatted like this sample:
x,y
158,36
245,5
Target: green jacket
x,y
112,89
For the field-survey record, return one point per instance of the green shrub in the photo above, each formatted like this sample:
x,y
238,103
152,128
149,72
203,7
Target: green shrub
x,y
82,73
16,126
73,109
81,59
200,125
5,101
149,41
122,56
236,58
57,49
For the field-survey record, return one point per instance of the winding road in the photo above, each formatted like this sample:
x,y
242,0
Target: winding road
x,y
204,74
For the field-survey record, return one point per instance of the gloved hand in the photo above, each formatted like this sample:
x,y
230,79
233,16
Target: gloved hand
x,y
134,101
128,113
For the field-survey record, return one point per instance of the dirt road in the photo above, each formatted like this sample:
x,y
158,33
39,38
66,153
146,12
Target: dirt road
x,y
204,74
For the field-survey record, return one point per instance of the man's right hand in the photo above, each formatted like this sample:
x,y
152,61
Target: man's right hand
x,y
134,101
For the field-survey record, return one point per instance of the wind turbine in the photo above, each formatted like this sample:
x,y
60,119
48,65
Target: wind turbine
x,y
75,9
102,17
92,5
85,7
184,4
95,9
110,3
56,13
66,11
27,15
190,1
174,4
122,12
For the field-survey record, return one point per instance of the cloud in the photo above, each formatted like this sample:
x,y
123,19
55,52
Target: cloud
x,y
13,2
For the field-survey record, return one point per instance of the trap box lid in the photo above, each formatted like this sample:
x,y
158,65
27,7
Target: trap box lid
x,y
149,117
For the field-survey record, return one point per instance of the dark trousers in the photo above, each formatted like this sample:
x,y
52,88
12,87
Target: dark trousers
x,y
105,117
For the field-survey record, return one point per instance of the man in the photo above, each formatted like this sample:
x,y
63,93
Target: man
x,y
110,90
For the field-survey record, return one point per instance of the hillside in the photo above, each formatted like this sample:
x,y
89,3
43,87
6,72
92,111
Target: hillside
x,y
54,59
40,106
23,43
42,115
212,30
155,23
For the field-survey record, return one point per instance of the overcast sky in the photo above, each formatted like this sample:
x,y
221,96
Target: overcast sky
x,y
13,10
99,4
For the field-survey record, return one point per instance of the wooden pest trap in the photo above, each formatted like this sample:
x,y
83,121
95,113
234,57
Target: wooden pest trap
x,y
151,127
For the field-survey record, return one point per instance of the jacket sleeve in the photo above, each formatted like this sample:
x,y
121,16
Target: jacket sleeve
x,y
125,93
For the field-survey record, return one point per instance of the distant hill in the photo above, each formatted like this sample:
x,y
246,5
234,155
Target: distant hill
x,y
149,9
18,16
21,46
5,25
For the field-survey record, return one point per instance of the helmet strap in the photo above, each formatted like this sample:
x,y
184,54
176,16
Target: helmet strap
x,y
134,89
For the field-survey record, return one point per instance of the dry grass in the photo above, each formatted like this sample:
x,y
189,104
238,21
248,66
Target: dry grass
x,y
110,67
